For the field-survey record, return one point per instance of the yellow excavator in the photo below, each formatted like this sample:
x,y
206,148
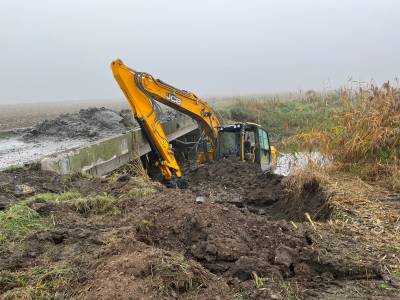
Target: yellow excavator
x,y
240,141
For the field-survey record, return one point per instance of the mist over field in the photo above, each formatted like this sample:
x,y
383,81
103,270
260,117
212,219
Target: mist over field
x,y
61,50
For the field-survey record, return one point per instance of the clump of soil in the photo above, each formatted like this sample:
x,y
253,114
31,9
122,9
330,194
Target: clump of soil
x,y
168,245
141,271
87,123
245,185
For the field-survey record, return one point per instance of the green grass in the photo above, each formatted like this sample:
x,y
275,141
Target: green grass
x,y
140,192
95,204
85,205
12,168
177,274
258,281
37,283
285,118
19,221
52,197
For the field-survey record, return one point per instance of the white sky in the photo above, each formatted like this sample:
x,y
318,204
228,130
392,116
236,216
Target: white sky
x,y
59,50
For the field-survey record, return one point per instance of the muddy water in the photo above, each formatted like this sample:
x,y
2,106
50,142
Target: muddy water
x,y
15,151
289,162
65,132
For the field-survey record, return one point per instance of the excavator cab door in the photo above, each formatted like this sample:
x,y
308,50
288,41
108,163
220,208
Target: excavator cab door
x,y
264,154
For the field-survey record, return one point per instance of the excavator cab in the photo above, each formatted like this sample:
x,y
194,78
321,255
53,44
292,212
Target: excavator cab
x,y
246,142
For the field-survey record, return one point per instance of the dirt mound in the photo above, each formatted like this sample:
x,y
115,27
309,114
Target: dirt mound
x,y
145,272
152,242
238,245
90,123
245,185
87,123
225,239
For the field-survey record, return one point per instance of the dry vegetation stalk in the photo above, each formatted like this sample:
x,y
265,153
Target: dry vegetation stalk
x,y
366,136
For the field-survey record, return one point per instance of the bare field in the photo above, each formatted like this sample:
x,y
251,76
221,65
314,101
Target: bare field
x,y
27,114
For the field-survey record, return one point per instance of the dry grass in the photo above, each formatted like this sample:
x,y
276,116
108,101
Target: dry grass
x,y
175,274
365,140
134,168
366,213
53,282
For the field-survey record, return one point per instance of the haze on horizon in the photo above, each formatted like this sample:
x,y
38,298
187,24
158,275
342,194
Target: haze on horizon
x,y
61,50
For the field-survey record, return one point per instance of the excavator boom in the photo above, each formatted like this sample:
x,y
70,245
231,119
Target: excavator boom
x,y
141,89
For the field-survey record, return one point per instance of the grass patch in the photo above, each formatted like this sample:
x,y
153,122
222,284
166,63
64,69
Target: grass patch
x,y
144,227
290,292
284,118
258,281
365,137
140,192
134,168
53,197
176,274
17,222
95,204
84,205
12,168
238,296
37,283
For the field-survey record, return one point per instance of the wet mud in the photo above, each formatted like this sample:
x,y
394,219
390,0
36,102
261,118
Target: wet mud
x,y
168,245
87,123
67,131
245,185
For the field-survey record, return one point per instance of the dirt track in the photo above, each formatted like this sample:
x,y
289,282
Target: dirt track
x,y
167,245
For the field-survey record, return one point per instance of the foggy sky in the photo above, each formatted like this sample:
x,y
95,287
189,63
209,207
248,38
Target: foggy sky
x,y
60,50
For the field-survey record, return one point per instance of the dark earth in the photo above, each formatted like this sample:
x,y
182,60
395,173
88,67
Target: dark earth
x,y
90,123
214,240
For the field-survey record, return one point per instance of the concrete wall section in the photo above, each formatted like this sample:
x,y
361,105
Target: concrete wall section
x,y
109,154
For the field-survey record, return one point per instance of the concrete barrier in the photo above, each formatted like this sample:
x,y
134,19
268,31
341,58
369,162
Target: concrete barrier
x,y
109,154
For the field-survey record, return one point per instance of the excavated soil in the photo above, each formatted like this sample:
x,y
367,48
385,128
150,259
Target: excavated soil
x,y
245,185
172,245
87,123
91,123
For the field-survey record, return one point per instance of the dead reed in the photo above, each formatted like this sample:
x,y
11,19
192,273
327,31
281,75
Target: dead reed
x,y
366,137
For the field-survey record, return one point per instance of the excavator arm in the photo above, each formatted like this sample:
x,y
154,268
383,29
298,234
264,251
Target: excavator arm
x,y
141,89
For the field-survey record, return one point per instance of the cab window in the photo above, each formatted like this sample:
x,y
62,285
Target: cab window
x,y
264,143
229,144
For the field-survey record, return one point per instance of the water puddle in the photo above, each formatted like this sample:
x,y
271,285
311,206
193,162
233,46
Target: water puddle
x,y
15,152
289,162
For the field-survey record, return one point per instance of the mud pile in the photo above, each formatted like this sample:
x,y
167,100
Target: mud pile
x,y
87,123
243,184
167,245
91,123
